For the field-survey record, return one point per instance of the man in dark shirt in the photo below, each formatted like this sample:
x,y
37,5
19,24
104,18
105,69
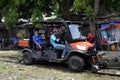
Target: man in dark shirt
x,y
104,43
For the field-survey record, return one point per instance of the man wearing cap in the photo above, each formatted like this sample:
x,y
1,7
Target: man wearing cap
x,y
55,41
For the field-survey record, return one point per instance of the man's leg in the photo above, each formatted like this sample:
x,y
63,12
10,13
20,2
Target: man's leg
x,y
62,47
63,54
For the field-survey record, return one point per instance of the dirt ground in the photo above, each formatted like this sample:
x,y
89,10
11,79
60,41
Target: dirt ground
x,y
10,69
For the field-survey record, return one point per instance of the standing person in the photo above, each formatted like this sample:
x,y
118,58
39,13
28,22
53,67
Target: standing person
x,y
14,42
55,41
97,44
37,39
104,43
90,37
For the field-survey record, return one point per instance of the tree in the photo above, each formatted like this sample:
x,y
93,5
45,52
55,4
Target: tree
x,y
96,7
13,10
3,3
64,8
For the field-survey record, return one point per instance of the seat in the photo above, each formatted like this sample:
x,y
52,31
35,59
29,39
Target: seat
x,y
31,45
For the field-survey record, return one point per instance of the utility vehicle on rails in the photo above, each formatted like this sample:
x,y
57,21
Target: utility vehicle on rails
x,y
80,53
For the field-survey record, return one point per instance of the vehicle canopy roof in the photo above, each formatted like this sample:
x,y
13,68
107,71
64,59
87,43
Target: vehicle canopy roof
x,y
24,25
57,23
47,23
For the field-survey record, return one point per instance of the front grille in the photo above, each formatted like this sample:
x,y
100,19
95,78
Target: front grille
x,y
92,51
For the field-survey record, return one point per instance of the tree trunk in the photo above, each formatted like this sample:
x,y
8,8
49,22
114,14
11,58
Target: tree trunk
x,y
96,7
96,11
65,6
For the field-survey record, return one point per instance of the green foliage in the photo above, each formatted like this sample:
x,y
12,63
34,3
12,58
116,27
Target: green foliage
x,y
79,6
10,14
37,15
113,5
84,6
11,19
38,26
13,10
89,11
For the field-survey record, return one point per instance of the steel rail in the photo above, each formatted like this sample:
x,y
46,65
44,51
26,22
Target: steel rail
x,y
110,74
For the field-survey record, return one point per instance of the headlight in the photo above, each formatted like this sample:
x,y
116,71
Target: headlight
x,y
81,47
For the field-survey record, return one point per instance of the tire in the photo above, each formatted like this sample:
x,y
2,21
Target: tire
x,y
27,58
76,63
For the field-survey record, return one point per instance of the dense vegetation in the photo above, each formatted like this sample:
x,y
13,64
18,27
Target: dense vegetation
x,y
13,10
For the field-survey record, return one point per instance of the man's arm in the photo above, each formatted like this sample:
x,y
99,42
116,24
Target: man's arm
x,y
54,38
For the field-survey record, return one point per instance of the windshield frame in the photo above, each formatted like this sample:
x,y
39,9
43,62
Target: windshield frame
x,y
76,29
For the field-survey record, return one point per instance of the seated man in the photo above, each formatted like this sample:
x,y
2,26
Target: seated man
x,y
55,41
37,39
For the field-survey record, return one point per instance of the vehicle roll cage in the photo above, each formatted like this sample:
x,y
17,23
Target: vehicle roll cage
x,y
60,24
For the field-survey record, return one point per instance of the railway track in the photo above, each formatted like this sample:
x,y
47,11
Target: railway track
x,y
112,71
